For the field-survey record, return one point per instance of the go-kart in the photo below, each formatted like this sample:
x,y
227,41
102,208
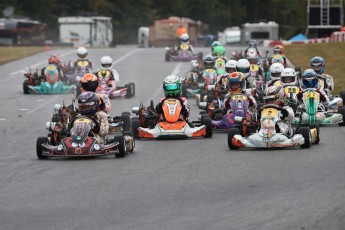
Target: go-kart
x,y
210,77
240,116
47,84
314,112
256,81
269,135
148,124
182,54
79,141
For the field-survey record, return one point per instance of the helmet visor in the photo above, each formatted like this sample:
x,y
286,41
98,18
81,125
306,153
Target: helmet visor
x,y
242,70
171,87
272,99
86,106
316,67
289,79
275,74
82,55
106,65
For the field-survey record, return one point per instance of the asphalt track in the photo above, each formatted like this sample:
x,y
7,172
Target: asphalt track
x,y
171,184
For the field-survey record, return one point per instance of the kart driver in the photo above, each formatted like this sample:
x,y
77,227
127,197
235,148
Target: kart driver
x,y
172,89
89,104
82,58
276,95
111,75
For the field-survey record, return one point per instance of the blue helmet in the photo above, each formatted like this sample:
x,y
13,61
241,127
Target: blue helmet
x,y
317,64
309,79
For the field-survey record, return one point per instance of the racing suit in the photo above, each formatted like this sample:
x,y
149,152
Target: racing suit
x,y
248,93
78,64
286,114
102,119
328,83
184,111
111,75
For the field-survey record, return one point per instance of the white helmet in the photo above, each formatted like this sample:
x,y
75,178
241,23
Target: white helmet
x,y
275,70
243,66
82,52
184,38
106,62
288,77
253,57
231,65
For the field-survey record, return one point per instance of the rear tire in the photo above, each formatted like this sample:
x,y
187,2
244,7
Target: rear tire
x,y
184,90
135,125
167,57
122,148
56,118
305,131
231,133
209,128
202,95
26,87
126,119
129,91
317,127
133,88
39,149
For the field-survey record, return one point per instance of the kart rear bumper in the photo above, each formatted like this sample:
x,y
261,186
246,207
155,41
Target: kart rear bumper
x,y
160,132
276,141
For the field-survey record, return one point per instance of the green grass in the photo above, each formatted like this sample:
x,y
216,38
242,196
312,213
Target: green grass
x,y
332,53
8,54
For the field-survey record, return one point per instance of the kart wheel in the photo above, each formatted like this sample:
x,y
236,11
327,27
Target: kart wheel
x,y
135,125
39,149
26,87
152,105
184,90
317,127
129,91
122,148
209,128
167,57
133,88
126,119
231,133
131,142
342,96
305,131
77,90
197,99
202,96
342,112
56,118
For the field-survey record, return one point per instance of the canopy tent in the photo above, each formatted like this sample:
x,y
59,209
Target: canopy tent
x,y
298,37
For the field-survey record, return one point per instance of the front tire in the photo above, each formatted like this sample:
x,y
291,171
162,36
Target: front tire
x,y
231,133
209,128
317,127
122,148
135,125
26,87
131,142
129,91
342,112
39,149
305,131
126,119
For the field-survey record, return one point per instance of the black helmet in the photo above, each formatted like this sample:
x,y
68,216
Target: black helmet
x,y
88,103
208,62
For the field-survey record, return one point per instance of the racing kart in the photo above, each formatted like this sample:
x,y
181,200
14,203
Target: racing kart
x,y
47,84
182,54
314,112
73,136
269,135
148,124
208,85
73,75
239,117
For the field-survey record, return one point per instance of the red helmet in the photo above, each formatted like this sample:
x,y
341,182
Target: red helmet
x,y
56,60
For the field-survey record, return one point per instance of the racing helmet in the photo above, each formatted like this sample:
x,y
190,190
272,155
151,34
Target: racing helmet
x,y
184,38
318,64
208,62
230,66
276,70
172,86
274,95
82,52
89,82
88,103
214,45
309,79
252,43
219,51
106,62
243,66
236,82
288,77
55,60
278,49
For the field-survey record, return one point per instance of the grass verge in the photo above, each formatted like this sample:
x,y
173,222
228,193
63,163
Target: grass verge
x,y
332,53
